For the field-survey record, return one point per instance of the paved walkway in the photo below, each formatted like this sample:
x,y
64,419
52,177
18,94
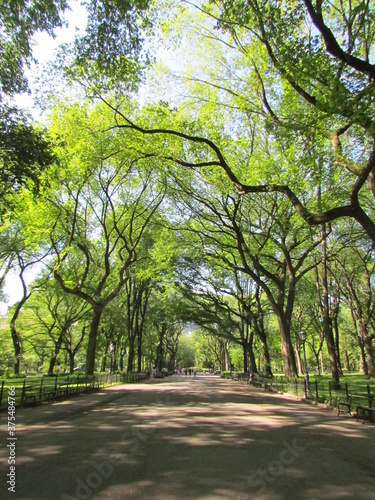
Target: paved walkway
x,y
188,439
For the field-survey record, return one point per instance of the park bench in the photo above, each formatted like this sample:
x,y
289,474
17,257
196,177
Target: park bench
x,y
38,392
92,384
362,402
240,376
48,390
258,381
28,395
69,388
365,407
78,385
344,406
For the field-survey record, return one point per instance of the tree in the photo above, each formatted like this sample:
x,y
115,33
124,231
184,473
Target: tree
x,y
137,297
25,257
20,20
7,257
56,313
185,351
223,302
110,55
322,103
261,240
99,219
25,152
110,48
355,277
321,56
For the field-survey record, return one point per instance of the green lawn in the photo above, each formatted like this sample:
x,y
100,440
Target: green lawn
x,y
321,387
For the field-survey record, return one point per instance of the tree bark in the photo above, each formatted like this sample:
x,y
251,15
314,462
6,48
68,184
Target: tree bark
x,y
93,335
363,356
71,362
245,337
289,360
325,310
15,336
53,359
131,355
159,349
367,341
253,363
299,363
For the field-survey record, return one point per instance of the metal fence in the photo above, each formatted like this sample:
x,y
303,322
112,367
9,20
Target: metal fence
x,y
39,389
324,392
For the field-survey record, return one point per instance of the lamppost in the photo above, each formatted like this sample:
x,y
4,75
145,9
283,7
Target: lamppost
x,y
303,336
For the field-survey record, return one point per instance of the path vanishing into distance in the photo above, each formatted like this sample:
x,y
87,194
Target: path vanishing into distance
x,y
185,438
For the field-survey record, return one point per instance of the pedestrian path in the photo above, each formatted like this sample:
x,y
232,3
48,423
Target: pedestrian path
x,y
185,438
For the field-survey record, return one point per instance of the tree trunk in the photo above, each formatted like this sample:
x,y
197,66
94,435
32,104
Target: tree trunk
x,y
266,357
363,355
289,360
330,343
322,362
318,367
122,355
139,351
253,364
143,297
366,342
244,343
93,335
299,362
347,361
104,360
15,336
244,357
17,348
360,341
370,355
227,362
327,324
52,363
159,349
53,359
335,313
113,357
71,361
131,354
261,332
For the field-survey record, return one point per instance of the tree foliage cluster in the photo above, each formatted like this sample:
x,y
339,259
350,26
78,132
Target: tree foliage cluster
x,y
239,196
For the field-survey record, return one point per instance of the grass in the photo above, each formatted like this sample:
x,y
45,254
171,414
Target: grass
x,y
355,384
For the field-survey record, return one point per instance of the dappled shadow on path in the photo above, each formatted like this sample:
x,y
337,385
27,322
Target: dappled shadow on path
x,y
191,439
